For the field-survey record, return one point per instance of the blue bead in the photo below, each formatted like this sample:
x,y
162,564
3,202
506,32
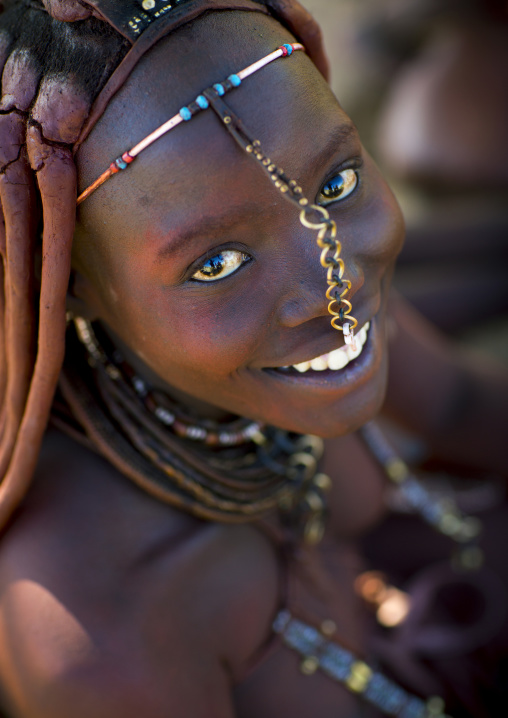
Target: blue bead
x,y
288,48
219,89
185,114
202,102
121,164
235,80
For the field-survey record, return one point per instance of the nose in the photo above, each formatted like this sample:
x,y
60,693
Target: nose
x,y
304,297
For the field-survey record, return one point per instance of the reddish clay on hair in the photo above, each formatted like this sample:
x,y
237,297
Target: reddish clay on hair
x,y
19,81
67,10
60,109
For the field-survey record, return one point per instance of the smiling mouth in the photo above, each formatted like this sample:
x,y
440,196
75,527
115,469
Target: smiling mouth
x,y
333,361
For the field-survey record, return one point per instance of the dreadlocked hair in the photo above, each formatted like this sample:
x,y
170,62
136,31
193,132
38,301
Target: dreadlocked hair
x,y
61,61
52,71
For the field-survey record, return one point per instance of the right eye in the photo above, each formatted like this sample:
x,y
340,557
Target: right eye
x,y
221,265
339,187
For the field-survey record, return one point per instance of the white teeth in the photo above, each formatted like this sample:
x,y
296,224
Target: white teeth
x,y
339,358
354,349
303,366
320,363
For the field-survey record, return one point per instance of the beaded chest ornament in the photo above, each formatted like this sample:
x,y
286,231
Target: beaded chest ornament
x,y
312,216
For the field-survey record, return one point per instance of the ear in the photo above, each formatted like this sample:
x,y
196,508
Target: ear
x,y
77,304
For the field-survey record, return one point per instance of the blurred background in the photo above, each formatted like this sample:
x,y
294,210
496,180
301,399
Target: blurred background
x,y
426,82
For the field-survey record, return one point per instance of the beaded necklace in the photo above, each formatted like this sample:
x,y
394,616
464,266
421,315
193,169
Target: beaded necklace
x,y
234,433
233,472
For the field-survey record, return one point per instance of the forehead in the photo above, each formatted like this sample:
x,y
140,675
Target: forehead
x,y
287,106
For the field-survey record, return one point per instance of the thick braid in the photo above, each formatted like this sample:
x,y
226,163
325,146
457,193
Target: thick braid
x,y
3,346
19,84
16,192
43,118
56,175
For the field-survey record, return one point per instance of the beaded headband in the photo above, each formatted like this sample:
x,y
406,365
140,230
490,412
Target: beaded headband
x,y
311,216
186,114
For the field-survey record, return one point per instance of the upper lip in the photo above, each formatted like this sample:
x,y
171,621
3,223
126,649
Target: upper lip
x,y
307,357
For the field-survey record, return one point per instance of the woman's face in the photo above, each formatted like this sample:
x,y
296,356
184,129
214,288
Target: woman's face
x,y
194,207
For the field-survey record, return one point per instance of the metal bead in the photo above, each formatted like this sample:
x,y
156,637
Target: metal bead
x,y
435,706
396,469
148,4
359,678
309,665
328,628
323,482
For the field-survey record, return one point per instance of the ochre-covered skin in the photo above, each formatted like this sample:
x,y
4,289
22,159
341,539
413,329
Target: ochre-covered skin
x,y
113,604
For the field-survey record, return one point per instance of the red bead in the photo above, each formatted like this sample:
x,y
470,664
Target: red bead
x,y
284,51
127,158
113,168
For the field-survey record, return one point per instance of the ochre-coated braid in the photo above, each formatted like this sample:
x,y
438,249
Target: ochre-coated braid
x,y
312,216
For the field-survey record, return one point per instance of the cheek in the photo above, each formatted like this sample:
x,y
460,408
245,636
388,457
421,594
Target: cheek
x,y
384,225
189,332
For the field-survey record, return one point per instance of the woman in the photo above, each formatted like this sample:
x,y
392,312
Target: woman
x,y
207,299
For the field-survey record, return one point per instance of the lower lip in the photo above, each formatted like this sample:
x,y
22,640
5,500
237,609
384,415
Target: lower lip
x,y
357,370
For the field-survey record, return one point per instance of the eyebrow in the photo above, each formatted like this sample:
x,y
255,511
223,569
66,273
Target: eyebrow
x,y
340,135
213,224
206,227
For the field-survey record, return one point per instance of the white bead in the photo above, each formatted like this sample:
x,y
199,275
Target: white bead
x,y
195,432
139,386
164,415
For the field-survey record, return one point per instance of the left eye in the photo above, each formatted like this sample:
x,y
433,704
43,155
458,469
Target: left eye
x,y
220,265
339,187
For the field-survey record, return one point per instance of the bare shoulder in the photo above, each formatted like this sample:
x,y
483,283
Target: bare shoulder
x,y
108,596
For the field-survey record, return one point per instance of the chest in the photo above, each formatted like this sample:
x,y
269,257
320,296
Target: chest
x,y
95,614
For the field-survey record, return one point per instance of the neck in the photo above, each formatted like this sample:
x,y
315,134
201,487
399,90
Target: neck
x,y
197,408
